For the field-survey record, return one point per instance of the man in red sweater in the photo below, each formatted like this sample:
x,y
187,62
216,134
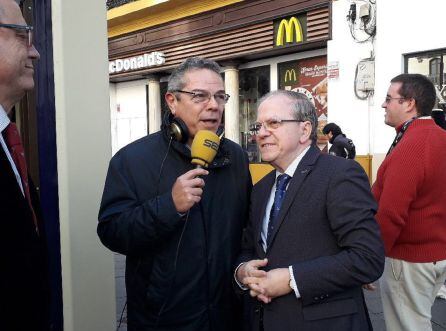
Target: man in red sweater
x,y
411,200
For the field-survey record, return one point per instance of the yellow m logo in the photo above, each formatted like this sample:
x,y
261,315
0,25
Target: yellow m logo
x,y
289,29
290,75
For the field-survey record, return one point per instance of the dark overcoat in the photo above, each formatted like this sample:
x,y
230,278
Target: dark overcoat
x,y
327,232
24,287
172,283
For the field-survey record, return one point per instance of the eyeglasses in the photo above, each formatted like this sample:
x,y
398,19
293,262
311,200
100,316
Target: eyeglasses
x,y
205,96
270,125
388,99
28,29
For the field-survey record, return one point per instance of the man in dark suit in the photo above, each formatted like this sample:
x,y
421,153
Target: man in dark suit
x,y
312,239
23,277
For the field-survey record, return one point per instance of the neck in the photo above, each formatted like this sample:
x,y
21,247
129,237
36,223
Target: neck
x,y
7,103
283,166
405,121
7,107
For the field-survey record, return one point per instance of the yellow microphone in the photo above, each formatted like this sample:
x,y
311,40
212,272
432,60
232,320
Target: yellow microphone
x,y
204,148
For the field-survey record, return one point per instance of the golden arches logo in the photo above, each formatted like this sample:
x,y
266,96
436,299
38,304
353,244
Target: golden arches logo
x,y
289,29
290,75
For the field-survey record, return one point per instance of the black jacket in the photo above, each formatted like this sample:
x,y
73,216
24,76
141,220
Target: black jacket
x,y
327,232
24,285
342,146
138,218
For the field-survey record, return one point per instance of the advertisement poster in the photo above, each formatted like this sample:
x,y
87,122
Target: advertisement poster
x,y
309,77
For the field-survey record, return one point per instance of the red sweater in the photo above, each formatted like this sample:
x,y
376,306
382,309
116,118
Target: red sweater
x,y
411,193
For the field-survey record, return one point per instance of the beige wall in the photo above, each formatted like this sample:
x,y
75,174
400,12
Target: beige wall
x,y
376,162
83,151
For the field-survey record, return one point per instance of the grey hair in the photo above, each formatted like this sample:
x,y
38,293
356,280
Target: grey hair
x,y
301,107
176,79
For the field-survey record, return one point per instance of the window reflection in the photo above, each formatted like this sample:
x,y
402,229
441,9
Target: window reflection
x,y
253,84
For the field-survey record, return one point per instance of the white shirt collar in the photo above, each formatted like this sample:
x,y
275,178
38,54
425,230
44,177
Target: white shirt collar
x,y
4,119
293,166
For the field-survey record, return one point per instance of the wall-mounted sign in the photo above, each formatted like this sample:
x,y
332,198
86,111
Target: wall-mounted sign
x,y
290,76
292,30
308,77
333,70
136,62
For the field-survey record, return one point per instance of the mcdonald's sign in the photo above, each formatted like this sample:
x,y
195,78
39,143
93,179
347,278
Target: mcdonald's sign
x,y
290,76
290,30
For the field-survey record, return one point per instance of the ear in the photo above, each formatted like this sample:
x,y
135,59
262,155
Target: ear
x,y
411,107
171,101
306,132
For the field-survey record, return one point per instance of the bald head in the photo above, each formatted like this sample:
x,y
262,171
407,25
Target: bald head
x,y
6,5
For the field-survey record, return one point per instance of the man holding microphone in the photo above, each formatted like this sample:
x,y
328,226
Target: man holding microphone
x,y
180,226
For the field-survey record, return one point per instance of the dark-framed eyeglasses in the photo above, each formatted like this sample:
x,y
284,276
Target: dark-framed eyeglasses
x,y
270,125
26,31
388,99
205,96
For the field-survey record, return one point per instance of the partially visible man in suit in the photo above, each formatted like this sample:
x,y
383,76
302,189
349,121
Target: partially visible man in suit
x,y
312,239
23,276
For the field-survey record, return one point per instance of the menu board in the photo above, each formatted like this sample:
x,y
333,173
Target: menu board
x,y
309,77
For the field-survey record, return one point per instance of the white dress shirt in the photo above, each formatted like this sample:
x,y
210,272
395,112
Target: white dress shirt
x,y
4,122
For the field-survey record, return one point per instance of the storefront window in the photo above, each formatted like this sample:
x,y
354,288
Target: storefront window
x,y
128,113
254,83
435,69
309,77
431,64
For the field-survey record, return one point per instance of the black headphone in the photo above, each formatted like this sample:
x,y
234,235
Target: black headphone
x,y
178,129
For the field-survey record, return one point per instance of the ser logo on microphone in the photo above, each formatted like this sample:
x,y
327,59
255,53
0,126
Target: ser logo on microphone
x,y
211,144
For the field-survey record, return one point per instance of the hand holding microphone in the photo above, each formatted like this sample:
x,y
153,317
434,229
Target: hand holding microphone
x,y
188,188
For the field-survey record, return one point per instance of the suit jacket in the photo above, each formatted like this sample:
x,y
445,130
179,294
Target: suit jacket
x,y
326,230
24,289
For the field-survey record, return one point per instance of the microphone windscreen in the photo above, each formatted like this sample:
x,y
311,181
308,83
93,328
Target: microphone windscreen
x,y
204,148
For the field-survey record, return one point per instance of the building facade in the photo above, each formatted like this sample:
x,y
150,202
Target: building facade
x,y
405,39
261,45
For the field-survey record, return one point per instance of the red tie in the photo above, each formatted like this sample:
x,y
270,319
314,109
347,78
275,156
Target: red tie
x,y
14,143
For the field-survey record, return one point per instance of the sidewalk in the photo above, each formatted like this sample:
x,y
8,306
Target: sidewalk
x,y
373,301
